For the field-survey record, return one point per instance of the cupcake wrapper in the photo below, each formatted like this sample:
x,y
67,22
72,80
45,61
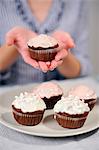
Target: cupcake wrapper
x,y
28,119
51,101
44,50
69,122
43,55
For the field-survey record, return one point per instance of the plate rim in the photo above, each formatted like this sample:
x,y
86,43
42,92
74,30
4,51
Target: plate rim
x,y
48,135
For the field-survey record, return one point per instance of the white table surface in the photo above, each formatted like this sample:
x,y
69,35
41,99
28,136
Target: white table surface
x,y
12,140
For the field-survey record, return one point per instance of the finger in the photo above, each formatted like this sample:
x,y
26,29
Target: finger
x,y
61,54
65,38
32,62
43,66
59,62
53,65
11,36
48,64
21,42
28,59
10,39
70,41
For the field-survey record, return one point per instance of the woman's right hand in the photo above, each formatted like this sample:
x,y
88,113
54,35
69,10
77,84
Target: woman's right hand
x,y
19,36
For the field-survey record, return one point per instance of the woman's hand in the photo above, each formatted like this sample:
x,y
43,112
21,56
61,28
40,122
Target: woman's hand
x,y
19,36
65,43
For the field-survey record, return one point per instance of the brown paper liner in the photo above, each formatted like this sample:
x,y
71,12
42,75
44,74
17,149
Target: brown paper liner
x,y
51,101
71,121
28,119
43,55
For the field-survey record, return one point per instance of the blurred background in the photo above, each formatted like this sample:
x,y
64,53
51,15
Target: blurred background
x,y
94,34
93,25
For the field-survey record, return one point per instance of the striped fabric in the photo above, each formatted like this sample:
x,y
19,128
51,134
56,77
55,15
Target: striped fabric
x,y
66,15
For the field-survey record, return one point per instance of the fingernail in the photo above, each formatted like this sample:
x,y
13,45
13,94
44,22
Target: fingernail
x,y
52,69
44,71
48,66
37,67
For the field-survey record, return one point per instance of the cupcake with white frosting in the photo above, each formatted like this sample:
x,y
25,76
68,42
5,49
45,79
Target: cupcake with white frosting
x,y
71,112
28,109
50,92
43,47
84,93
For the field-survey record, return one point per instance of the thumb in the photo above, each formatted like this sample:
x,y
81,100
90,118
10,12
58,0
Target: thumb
x,y
65,38
10,39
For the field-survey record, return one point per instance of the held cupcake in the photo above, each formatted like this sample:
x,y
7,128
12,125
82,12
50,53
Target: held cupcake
x,y
71,112
43,48
50,92
28,109
84,93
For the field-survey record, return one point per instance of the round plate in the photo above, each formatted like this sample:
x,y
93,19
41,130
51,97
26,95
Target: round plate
x,y
48,126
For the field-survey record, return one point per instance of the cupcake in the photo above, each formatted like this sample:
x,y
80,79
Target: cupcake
x,y
84,93
71,112
43,48
28,109
50,92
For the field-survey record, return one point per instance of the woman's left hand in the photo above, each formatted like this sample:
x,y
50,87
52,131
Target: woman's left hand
x,y
65,43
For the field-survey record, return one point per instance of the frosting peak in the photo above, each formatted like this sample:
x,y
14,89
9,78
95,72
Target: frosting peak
x,y
28,102
71,105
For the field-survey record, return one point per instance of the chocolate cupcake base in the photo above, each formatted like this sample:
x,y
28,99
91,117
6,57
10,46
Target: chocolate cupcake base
x,y
91,103
43,55
28,119
71,121
51,101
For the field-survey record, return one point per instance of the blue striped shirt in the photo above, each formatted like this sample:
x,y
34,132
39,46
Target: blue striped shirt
x,y
66,15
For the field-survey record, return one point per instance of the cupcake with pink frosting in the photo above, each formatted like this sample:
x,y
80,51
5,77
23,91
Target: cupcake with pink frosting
x,y
84,93
43,48
50,92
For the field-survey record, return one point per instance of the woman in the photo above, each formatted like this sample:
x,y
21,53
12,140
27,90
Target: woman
x,y
32,17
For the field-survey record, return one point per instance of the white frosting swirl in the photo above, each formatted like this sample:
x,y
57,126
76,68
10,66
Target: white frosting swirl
x,y
42,40
71,105
83,92
28,102
48,89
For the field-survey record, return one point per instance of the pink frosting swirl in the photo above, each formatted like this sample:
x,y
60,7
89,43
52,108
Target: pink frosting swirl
x,y
83,92
48,89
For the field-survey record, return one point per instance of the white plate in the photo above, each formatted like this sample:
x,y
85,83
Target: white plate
x,y
48,127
